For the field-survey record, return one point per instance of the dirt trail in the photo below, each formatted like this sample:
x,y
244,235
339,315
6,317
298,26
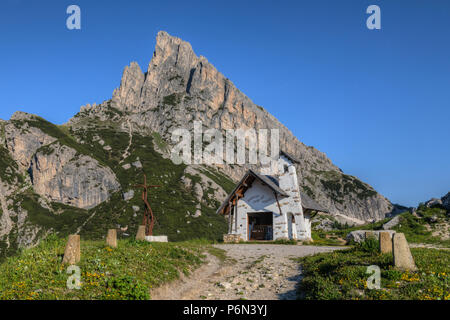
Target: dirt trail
x,y
251,271
427,246
126,153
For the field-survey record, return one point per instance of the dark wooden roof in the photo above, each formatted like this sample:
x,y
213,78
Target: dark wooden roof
x,y
290,157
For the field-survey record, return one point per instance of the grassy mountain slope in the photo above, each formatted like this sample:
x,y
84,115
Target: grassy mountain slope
x,y
426,226
173,203
127,272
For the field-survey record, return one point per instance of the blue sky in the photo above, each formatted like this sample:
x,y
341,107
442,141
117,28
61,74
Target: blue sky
x,y
377,102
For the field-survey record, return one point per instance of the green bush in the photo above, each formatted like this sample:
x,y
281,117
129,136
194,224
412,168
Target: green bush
x,y
370,245
126,288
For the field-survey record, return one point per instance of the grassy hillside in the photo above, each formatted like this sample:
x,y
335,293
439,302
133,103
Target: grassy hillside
x,y
173,204
342,275
126,272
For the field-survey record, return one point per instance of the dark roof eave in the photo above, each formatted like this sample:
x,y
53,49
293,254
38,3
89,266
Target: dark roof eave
x,y
289,156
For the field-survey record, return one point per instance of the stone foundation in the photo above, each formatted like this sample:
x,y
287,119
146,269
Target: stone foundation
x,y
231,238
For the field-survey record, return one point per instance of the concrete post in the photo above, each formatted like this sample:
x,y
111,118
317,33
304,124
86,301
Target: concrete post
x,y
385,242
72,253
111,238
141,233
403,258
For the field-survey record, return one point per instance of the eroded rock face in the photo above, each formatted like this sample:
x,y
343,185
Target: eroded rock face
x,y
61,175
22,140
15,229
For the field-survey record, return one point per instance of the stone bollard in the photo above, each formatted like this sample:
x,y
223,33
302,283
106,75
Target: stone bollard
x,y
72,252
111,238
385,242
403,258
141,233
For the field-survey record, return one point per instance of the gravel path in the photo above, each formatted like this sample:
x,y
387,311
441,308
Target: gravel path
x,y
427,246
252,271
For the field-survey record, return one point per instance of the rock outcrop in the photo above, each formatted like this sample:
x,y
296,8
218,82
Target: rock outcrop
x,y
62,175
446,202
443,202
23,140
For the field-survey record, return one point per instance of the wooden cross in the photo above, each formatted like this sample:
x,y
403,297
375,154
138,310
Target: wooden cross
x,y
149,218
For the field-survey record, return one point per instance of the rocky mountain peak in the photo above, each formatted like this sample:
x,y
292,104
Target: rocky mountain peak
x,y
172,50
180,87
128,94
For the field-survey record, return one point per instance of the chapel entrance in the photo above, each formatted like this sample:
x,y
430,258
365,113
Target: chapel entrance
x,y
260,226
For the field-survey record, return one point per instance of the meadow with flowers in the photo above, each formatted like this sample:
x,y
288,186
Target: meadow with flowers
x,y
342,275
129,271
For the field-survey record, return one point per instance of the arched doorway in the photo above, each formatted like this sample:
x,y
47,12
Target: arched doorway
x,y
292,229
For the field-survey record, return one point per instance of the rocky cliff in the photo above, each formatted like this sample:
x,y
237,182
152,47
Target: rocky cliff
x,y
79,177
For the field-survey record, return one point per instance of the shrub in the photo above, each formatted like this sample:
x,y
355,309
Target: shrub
x,y
369,245
126,288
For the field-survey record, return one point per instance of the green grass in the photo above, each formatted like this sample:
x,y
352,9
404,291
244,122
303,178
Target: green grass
x,y
126,272
320,239
414,227
172,203
342,275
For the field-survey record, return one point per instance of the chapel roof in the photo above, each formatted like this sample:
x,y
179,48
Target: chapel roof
x,y
250,176
272,183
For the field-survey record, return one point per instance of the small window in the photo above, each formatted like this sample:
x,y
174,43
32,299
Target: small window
x,y
286,168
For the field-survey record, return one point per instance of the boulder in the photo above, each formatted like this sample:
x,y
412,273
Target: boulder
x,y
433,202
359,236
128,195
